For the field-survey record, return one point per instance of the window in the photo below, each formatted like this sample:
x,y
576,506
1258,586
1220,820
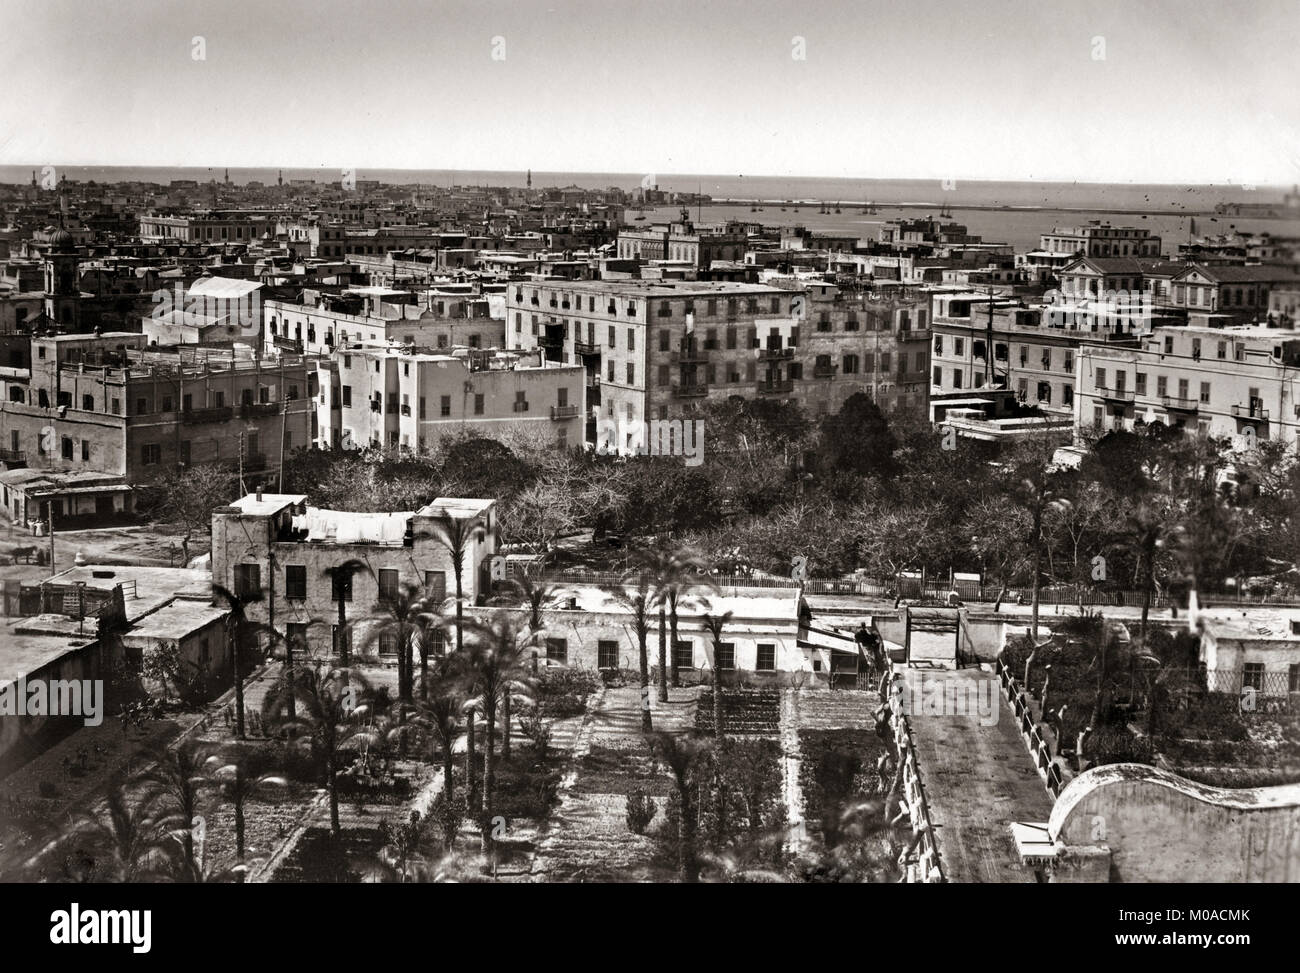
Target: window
x,y
1162,386
611,336
1293,676
444,406
1067,395
1140,382
607,654
557,650
248,580
850,366
684,655
1205,393
66,450
724,656
1252,676
151,454
631,374
388,643
478,403
295,581
766,657
435,586
631,339
347,395
85,451
88,403
341,589
388,584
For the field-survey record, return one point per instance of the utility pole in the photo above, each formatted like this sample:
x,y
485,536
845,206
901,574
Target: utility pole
x,y
50,505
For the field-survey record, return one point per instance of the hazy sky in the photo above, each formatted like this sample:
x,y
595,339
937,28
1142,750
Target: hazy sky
x,y
1186,92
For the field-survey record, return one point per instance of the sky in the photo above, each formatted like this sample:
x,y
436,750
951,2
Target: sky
x,y
1162,91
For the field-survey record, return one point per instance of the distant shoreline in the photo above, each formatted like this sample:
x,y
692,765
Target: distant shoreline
x,y
1276,213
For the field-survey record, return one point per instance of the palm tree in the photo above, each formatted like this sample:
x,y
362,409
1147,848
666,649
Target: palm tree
x,y
400,618
536,596
715,624
677,571
439,708
127,832
238,629
458,535
176,782
237,787
341,576
681,752
494,668
637,594
334,716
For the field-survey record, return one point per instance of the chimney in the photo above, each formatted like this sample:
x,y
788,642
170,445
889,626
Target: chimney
x,y
259,494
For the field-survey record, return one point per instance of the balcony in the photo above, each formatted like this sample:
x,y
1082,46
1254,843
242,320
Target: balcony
x,y
586,348
406,410
1176,403
559,412
688,356
1126,396
775,354
215,413
13,456
690,391
375,406
551,341
254,410
777,387
1252,413
288,344
824,371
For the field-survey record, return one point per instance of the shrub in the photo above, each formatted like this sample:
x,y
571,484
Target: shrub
x,y
640,811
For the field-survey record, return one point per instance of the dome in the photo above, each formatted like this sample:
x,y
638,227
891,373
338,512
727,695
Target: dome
x,y
62,241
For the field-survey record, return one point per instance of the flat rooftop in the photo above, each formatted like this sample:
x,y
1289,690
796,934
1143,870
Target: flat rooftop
x,y
154,586
658,288
177,620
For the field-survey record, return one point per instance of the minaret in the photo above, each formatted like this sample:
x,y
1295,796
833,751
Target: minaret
x,y
280,180
227,177
62,288
530,178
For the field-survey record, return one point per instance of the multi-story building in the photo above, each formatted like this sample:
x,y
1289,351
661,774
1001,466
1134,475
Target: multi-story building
x,y
655,349
683,242
277,547
396,397
103,403
1099,239
982,341
215,226
1237,382
1224,293
874,341
443,317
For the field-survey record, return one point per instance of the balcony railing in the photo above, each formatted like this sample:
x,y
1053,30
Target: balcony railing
x,y
375,406
252,410
564,412
823,371
214,413
1179,404
406,410
778,387
690,391
1255,412
551,341
288,344
586,348
13,456
1117,395
688,356
775,354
